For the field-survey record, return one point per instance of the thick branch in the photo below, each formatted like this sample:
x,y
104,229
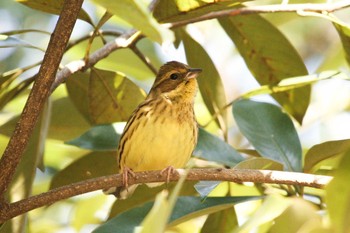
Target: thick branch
x,y
39,93
308,7
233,175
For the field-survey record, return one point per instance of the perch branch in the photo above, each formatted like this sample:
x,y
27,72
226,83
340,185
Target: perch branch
x,y
39,93
209,174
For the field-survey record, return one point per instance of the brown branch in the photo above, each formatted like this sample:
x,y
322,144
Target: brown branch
x,y
208,174
308,7
39,93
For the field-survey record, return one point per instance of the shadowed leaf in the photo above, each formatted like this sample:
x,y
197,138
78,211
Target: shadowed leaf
x,y
185,209
270,58
112,97
92,165
270,131
52,7
137,14
209,82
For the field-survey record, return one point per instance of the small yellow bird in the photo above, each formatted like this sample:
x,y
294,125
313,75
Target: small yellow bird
x,y
162,132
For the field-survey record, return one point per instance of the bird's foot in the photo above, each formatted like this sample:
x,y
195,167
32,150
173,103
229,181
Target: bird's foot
x,y
126,172
168,171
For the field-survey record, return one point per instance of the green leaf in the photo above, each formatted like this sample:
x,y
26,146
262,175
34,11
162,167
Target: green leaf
x,y
212,148
137,14
323,151
295,82
78,89
302,213
210,83
270,131
185,209
21,185
204,187
337,197
223,221
144,194
85,211
168,11
52,7
270,57
98,138
344,33
66,122
9,94
260,163
272,207
92,165
112,97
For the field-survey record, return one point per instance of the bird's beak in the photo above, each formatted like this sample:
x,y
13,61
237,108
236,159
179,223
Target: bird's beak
x,y
193,73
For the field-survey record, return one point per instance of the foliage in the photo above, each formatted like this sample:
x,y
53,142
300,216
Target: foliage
x,y
260,105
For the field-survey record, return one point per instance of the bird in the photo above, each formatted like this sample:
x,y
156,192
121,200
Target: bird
x,y
162,132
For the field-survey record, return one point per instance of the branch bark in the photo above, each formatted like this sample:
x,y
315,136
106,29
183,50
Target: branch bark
x,y
209,174
39,93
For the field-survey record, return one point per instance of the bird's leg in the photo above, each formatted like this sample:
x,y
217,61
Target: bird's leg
x,y
168,171
126,172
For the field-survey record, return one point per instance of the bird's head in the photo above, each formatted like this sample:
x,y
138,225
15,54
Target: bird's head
x,y
176,81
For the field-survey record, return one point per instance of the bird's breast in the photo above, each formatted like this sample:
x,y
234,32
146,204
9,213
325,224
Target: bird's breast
x,y
165,136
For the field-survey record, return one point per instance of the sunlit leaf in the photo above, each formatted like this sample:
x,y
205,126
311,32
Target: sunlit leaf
x,y
185,209
260,163
213,148
112,97
98,138
223,221
270,58
85,211
209,81
337,196
344,33
270,131
301,213
167,11
92,165
52,7
295,82
323,151
272,207
137,14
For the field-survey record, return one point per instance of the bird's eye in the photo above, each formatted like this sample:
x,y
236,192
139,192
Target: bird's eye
x,y
174,76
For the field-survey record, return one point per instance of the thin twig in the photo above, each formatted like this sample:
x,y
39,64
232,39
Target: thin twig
x,y
39,93
124,41
144,59
209,174
308,7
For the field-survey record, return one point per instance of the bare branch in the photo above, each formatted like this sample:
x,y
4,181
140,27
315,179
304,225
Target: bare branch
x,y
39,93
308,7
209,174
